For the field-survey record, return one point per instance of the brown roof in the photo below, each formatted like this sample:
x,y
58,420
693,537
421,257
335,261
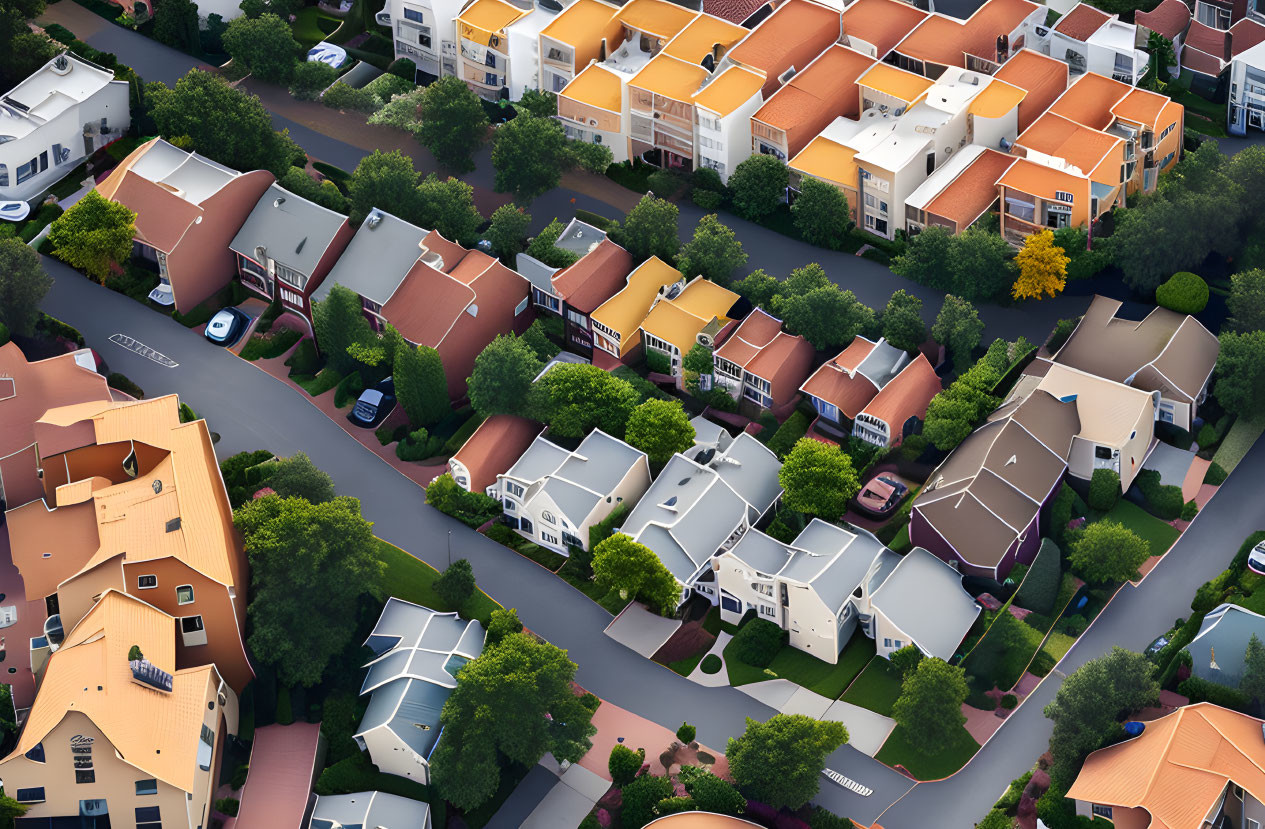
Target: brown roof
x,y
67,535
28,389
946,40
1081,146
881,23
1201,62
1044,78
816,96
1170,18
451,252
793,35
760,346
595,278
494,447
1081,22
1088,101
162,217
1208,40
833,383
735,11
906,396
1177,769
1244,35
973,191
1162,351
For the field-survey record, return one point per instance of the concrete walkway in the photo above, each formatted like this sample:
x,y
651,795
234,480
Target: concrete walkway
x,y
282,760
639,629
867,730
721,678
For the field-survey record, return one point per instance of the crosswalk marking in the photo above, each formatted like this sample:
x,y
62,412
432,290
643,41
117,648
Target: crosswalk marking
x,y
848,783
145,351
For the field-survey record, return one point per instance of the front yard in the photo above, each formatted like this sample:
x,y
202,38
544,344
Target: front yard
x,y
876,688
1159,534
923,765
806,670
413,580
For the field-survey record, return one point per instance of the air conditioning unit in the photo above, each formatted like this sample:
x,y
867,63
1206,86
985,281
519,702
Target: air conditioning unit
x,y
705,340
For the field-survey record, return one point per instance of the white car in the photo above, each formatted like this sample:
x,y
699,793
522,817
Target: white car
x,y
1256,559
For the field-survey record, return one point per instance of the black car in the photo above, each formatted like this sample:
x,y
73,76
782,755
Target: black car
x,y
226,326
374,405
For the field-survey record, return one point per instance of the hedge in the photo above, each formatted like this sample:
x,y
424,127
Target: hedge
x,y
1215,475
120,382
305,360
1201,690
758,642
462,434
349,389
789,433
1040,587
266,348
1164,501
1184,292
1104,490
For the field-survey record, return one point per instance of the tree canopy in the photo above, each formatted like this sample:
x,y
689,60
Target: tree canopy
x,y
1246,302
304,555
1042,267
633,571
265,45
929,707
650,229
759,186
958,328
447,205
93,234
502,376
926,258
297,477
714,251
529,155
779,761
325,193
818,479
23,284
452,123
902,321
827,317
660,428
339,323
507,231
1108,551
176,24
386,181
575,398
1252,682
1240,372
420,385
821,214
456,584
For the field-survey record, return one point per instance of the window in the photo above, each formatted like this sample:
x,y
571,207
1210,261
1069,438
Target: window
x,y
525,526
423,40
1063,195
144,787
520,307
827,410
1102,453
147,814
491,79
414,15
765,610
869,220
1100,811
882,207
1020,209
192,631
549,538
36,754
898,644
513,489
572,541
173,524
870,201
146,582
35,794
1124,64
578,319
548,518
206,746
1168,130
508,504
184,594
1237,791
1168,159
1253,824
81,753
1210,15
292,298
290,276
4,175
887,643
33,167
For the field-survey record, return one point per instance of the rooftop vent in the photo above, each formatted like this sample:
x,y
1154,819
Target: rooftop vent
x,y
279,201
61,64
146,673
375,219
173,524
157,485
299,247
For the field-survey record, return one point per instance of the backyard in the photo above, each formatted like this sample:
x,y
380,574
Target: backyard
x,y
1159,534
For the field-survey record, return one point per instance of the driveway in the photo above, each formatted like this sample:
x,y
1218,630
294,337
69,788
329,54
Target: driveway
x,y
641,630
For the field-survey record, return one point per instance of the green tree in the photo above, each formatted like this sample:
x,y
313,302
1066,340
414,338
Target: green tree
x,y
821,214
386,181
902,321
957,328
827,317
1252,683
420,385
926,258
698,361
528,683
310,78
710,793
507,231
339,322
660,428
1104,490
265,45
1108,551
297,477
544,247
779,762
759,186
176,24
714,252
23,284
802,280
633,571
502,376
502,623
949,421
538,341
929,707
650,229
981,264
324,193
452,124
528,155
539,103
576,398
905,660
26,53
93,234
818,479
758,288
9,810
456,584
1240,372
1246,302
334,550
594,158
447,205
641,798
1089,704
624,763
224,123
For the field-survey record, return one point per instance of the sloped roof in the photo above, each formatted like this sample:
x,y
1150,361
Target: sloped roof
x,y
906,396
670,77
783,32
924,597
596,86
494,447
970,194
1044,78
1218,649
580,21
378,258
28,389
680,320
368,809
577,481
735,11
657,17
1178,767
826,87
595,277
1081,22
1170,18
1089,100
1081,146
730,89
625,310
881,23
295,232
703,34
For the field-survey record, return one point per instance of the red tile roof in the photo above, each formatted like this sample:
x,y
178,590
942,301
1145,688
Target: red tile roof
x,y
881,23
760,346
816,96
1044,78
595,278
494,447
945,40
793,35
1081,22
973,191
1244,35
906,395
1208,40
735,11
1170,18
832,383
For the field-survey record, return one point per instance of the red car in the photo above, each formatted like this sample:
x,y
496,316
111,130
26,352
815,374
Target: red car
x,y
881,496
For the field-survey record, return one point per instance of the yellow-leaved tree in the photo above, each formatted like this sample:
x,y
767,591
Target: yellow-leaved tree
x,y
1042,267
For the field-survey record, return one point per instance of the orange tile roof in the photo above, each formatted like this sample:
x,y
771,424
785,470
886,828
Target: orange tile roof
x,y
68,535
597,87
760,346
881,23
1178,767
1089,100
883,77
154,731
1081,22
701,36
1169,18
938,39
1043,182
832,382
162,217
624,311
906,395
779,33
595,278
494,447
665,75
827,160
1043,77
1141,107
973,191
729,90
582,20
997,99
490,15
828,87
657,17
1078,145
945,40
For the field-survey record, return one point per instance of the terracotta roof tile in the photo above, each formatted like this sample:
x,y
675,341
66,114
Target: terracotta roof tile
x,y
1201,62
1170,18
595,278
906,396
793,35
881,23
1208,40
735,11
832,383
1141,107
973,191
1244,35
494,447
1039,180
825,90
1080,146
946,40
1044,78
1088,101
28,389
1081,22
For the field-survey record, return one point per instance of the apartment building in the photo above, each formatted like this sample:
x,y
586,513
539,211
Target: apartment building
x,y
828,159
498,47
797,113
1041,76
874,27
617,321
425,32
578,36
188,209
981,43
591,109
1245,108
692,316
760,365
959,193
120,734
50,122
723,110
1090,40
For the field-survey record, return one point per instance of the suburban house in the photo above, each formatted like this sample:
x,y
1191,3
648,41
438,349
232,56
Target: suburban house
x,y
871,391
188,209
50,122
575,292
133,502
617,321
554,497
27,390
499,43
1165,351
368,809
287,246
574,39
980,43
376,260
493,448
921,603
425,33
417,654
959,193
1198,766
1217,651
761,363
1042,77
141,739
981,508
1246,105
1090,40
815,588
701,504
456,301
787,41
682,319
723,108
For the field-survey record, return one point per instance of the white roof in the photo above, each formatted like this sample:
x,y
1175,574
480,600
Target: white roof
x,y
188,175
48,92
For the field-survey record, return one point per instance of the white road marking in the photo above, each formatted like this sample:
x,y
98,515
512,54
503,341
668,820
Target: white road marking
x,y
848,783
143,350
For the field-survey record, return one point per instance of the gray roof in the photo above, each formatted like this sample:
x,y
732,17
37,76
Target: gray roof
x,y
924,597
577,481
536,272
377,259
1225,630
371,810
751,469
293,230
709,435
196,177
542,458
580,237
883,363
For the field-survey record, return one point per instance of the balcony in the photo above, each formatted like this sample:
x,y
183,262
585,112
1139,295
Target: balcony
x,y
383,18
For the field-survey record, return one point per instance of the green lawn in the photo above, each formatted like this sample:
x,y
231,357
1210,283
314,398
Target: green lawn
x,y
548,559
901,749
1237,441
318,384
821,677
1159,534
876,688
311,26
740,673
686,666
413,580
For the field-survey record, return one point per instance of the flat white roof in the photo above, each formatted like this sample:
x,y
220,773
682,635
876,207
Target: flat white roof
x,y
49,91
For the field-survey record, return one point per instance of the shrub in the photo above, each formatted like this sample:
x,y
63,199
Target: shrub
x,y
1062,330
1189,511
349,389
658,362
789,433
663,183
1040,586
54,327
239,776
60,33
1201,690
1184,292
1104,490
718,398
821,818
709,200
310,78
305,360
711,664
419,445
686,733
1215,475
227,806
342,96
403,68
120,382
640,797
710,793
1009,701
1073,625
1207,436
624,763
605,528
758,642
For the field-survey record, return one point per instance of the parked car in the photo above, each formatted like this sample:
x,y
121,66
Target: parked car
x,y
1157,646
227,326
373,405
881,496
1256,559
